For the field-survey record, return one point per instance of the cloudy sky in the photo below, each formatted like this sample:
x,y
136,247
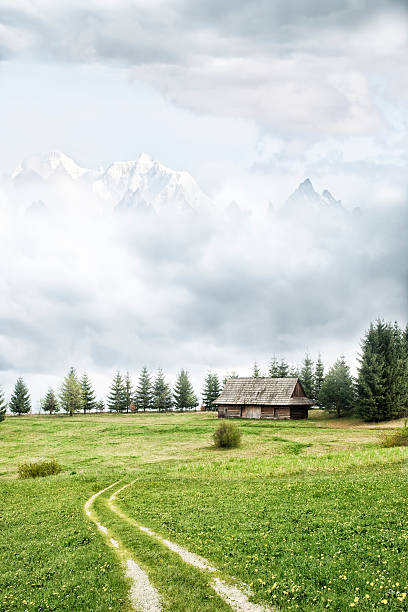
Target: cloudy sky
x,y
250,97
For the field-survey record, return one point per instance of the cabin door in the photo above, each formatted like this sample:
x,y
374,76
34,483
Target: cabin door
x,y
253,412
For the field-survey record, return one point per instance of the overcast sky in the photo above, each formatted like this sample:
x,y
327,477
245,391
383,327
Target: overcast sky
x,y
250,97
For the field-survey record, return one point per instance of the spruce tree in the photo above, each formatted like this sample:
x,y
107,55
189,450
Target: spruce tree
x,y
88,394
229,375
161,396
143,395
71,393
211,391
307,376
273,370
255,371
294,372
128,391
20,400
116,400
318,378
184,397
382,375
337,393
3,405
283,368
100,406
50,402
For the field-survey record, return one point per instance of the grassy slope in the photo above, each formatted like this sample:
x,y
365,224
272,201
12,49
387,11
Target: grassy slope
x,y
298,507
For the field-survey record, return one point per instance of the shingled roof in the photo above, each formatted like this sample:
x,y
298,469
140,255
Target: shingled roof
x,y
262,391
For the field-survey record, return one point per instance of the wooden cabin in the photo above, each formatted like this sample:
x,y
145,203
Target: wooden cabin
x,y
263,398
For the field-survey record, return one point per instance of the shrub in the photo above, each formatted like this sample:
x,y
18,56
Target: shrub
x,y
396,438
41,467
227,435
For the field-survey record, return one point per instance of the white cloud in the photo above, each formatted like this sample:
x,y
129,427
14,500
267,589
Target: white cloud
x,y
103,291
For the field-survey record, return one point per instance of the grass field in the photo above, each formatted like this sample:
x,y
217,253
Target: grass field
x,y
311,514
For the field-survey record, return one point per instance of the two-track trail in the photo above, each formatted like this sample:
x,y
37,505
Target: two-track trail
x,y
144,597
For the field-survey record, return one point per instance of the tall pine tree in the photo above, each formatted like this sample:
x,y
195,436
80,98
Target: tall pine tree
x,y
273,370
161,397
382,375
3,405
307,376
211,391
184,397
88,394
318,378
255,371
50,402
294,372
229,375
116,400
283,368
128,391
71,393
337,393
20,400
143,395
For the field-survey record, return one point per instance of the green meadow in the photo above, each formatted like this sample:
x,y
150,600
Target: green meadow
x,y
312,515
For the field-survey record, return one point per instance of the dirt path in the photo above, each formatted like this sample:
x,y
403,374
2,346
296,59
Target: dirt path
x,y
236,597
143,596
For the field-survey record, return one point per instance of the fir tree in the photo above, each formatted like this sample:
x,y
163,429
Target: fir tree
x,y
255,371
128,391
229,375
100,406
283,368
116,400
337,393
318,378
143,395
3,405
273,369
50,402
382,376
71,393
88,394
294,372
161,397
20,400
211,391
307,376
184,398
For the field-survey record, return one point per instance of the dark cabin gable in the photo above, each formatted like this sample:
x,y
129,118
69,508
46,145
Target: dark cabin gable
x,y
298,391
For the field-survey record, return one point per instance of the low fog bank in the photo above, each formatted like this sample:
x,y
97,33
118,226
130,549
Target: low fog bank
x,y
85,285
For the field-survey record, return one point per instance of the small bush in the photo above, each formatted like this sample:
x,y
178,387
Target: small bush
x,y
396,438
227,435
41,467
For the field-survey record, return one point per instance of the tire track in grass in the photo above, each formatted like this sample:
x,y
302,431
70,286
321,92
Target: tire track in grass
x,y
143,596
236,597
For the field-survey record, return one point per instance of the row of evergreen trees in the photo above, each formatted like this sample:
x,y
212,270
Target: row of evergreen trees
x,y
151,394
77,394
380,391
311,374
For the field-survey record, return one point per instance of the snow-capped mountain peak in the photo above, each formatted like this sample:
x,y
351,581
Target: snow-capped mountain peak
x,y
147,181
46,165
306,197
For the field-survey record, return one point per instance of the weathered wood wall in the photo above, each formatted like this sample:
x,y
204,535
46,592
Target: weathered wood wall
x,y
263,412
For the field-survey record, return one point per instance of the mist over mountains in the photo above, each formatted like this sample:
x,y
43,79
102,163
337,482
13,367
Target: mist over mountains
x,y
141,185
134,265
